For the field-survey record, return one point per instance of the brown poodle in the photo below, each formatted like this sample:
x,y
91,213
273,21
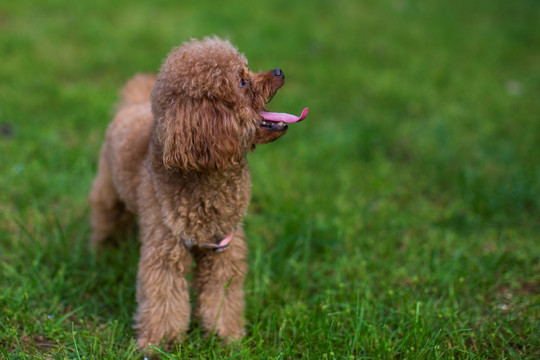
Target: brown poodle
x,y
175,157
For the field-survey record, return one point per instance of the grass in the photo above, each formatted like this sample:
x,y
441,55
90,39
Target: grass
x,y
401,220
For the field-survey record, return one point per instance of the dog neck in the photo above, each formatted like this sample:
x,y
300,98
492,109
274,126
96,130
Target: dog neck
x,y
202,205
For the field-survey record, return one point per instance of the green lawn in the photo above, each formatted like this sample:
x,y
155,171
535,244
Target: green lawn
x,y
400,220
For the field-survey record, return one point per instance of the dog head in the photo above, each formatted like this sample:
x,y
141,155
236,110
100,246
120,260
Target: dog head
x,y
210,108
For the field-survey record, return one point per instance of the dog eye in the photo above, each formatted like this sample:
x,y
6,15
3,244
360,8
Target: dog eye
x,y
243,82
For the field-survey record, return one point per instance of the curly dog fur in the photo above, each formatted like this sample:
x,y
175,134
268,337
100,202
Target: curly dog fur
x,y
175,157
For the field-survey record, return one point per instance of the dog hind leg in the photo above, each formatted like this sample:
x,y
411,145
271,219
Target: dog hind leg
x,y
108,213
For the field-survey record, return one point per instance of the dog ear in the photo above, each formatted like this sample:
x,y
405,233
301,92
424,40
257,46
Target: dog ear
x,y
201,135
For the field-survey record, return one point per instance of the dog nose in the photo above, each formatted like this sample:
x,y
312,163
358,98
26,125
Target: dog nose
x,y
279,73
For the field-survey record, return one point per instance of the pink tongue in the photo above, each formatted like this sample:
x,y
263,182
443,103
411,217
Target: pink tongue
x,y
286,118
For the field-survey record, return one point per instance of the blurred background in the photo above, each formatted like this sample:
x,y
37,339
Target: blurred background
x,y
414,183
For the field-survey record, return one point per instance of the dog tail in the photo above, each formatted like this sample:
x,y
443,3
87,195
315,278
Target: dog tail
x,y
137,90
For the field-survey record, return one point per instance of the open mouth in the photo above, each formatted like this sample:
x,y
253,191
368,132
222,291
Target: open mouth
x,y
278,121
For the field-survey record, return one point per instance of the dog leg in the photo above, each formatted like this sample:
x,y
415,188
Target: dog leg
x,y
108,212
163,310
219,283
